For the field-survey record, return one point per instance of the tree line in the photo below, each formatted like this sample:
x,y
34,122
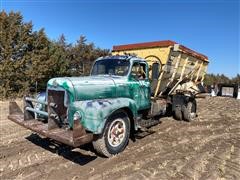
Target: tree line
x,y
29,58
212,79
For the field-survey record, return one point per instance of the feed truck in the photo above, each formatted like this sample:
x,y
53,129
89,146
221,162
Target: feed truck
x,y
124,92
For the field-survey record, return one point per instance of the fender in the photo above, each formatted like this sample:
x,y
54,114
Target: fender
x,y
94,113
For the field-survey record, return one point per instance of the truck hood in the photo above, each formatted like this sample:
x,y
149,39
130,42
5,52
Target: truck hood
x,y
85,88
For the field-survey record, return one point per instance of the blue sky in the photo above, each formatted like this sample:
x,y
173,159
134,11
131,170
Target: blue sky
x,y
210,27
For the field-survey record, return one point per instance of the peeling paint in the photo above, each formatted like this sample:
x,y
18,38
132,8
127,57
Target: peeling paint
x,y
97,97
95,112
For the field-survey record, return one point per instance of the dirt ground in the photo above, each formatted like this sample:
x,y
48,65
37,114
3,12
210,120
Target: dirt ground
x,y
207,148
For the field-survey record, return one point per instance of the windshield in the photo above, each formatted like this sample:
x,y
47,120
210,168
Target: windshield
x,y
111,67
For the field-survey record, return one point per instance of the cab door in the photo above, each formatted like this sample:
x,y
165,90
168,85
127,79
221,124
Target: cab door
x,y
140,85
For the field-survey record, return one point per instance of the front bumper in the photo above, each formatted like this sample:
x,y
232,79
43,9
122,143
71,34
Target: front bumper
x,y
73,137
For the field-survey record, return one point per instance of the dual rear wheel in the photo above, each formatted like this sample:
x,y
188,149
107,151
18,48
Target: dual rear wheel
x,y
186,112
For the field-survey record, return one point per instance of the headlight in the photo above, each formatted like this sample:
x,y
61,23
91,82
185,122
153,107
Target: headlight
x,y
77,116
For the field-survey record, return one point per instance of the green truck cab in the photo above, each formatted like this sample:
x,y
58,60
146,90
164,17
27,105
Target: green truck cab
x,y
104,108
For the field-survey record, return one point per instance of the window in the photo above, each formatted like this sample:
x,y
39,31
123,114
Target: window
x,y
139,71
111,67
155,71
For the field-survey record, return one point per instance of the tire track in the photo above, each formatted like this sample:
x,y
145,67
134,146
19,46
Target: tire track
x,y
207,148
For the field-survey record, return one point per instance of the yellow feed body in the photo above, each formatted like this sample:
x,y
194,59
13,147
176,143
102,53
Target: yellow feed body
x,y
172,66
162,55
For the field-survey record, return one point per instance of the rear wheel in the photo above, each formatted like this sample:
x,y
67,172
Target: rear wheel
x,y
115,136
189,110
178,115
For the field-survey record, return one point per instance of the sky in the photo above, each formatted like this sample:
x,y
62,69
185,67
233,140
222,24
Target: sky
x,y
210,27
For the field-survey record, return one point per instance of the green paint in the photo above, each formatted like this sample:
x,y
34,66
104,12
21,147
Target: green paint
x,y
97,97
96,112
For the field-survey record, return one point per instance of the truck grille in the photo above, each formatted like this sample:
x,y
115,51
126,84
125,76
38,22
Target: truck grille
x,y
56,109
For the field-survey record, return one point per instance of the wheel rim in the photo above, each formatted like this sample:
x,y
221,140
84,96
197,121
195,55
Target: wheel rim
x,y
116,132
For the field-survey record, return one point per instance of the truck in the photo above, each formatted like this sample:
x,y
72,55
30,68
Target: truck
x,y
123,94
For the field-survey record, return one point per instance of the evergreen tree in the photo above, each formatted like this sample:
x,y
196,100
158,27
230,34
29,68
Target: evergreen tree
x,y
236,79
83,55
28,57
59,55
211,79
24,55
16,44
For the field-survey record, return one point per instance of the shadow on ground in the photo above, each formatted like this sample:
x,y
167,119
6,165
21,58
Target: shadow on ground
x,y
63,150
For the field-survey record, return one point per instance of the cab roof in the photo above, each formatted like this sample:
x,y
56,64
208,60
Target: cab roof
x,y
122,57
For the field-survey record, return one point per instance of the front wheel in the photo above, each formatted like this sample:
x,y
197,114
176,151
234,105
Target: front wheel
x,y
115,136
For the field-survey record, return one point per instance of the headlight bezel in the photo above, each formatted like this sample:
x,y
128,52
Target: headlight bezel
x,y
77,116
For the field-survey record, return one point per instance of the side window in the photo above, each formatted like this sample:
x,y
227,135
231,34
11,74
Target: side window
x,y
139,71
155,71
100,69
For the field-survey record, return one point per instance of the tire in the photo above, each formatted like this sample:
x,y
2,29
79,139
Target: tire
x,y
178,115
113,140
189,110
